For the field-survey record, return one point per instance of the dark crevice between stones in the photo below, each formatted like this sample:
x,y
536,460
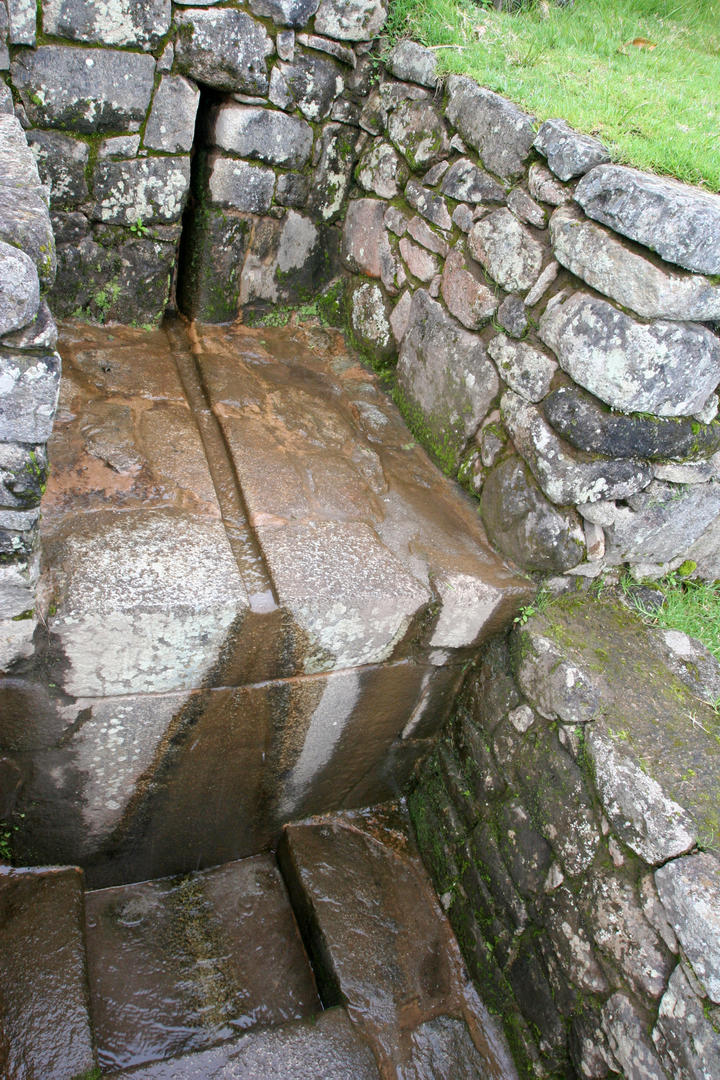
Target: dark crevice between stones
x,y
208,235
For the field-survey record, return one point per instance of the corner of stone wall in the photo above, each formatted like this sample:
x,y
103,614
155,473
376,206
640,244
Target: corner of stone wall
x,y
29,382
569,819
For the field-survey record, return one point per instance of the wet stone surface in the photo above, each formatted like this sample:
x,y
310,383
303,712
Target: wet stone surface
x,y
251,567
180,964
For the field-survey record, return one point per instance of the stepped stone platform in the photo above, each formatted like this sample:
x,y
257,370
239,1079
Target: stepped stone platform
x,y
334,963
258,595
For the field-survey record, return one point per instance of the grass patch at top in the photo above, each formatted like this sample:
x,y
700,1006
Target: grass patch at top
x,y
641,75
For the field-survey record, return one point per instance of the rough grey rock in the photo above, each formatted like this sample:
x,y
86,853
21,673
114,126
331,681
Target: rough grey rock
x,y
690,892
326,45
692,662
119,148
573,945
22,18
568,152
90,92
310,83
507,250
236,183
335,156
612,908
426,236
435,173
512,316
292,189
556,686
286,261
524,526
566,479
285,44
23,474
526,209
380,102
171,124
285,12
471,302
219,243
420,262
587,425
25,223
61,162
501,133
19,289
29,387
462,216
652,825
396,221
659,523
263,134
626,1031
351,20
370,320
223,48
366,248
544,187
526,370
686,1034
666,368
381,170
6,100
400,316
125,22
651,288
19,166
542,284
417,130
679,222
413,63
431,206
40,334
444,375
148,190
467,182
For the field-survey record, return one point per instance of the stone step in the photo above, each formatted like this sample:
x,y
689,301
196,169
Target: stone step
x,y
180,964
252,572
327,1047
44,1005
382,947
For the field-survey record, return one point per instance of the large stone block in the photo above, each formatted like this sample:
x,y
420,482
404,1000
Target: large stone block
x,y
566,477
381,171
501,133
242,186
335,156
225,48
680,222
25,223
686,1034
19,289
418,131
135,23
413,63
209,282
649,287
82,90
445,377
310,83
666,368
287,261
22,19
690,891
62,161
466,182
285,12
147,191
29,388
507,250
19,168
263,135
171,123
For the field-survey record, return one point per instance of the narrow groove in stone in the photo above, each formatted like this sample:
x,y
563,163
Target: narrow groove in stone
x,y
233,509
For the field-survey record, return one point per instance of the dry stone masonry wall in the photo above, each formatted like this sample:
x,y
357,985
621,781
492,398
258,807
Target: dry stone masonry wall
x,y
552,316
569,816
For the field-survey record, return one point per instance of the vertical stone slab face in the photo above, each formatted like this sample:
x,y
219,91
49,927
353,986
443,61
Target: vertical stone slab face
x,y
223,48
212,256
22,15
171,123
136,23
44,1016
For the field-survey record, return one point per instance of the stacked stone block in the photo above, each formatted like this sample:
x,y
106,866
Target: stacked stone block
x,y
569,817
29,381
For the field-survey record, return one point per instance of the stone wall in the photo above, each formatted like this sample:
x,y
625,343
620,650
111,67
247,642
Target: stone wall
x,y
29,380
551,318
570,820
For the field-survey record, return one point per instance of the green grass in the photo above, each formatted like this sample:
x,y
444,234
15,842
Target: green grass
x,y
657,109
690,606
